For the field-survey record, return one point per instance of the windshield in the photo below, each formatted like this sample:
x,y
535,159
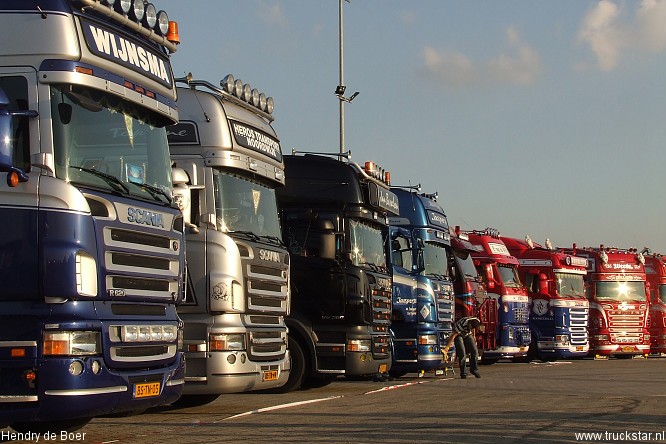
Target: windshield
x,y
435,260
509,276
244,205
367,244
465,263
102,142
620,291
570,285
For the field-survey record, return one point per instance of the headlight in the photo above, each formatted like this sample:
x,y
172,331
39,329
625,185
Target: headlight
x,y
427,340
562,338
359,345
227,342
71,343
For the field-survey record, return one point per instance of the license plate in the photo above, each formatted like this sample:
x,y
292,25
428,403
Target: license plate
x,y
146,390
383,368
579,348
270,375
628,348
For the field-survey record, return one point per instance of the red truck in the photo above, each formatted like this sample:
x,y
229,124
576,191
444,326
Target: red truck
x,y
499,272
655,270
617,291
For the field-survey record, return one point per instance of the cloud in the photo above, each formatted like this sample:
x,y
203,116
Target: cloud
x,y
408,17
272,14
609,36
521,66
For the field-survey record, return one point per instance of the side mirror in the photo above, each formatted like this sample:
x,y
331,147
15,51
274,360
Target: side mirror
x,y
490,277
326,239
182,196
543,284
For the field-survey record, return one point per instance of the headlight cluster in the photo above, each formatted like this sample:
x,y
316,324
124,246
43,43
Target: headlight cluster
x,y
226,341
71,343
359,345
427,339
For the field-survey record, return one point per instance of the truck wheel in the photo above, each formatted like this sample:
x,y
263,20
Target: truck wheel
x,y
320,381
397,373
297,373
194,400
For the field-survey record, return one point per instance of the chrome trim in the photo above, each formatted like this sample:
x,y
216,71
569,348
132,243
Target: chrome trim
x,y
11,398
18,343
91,391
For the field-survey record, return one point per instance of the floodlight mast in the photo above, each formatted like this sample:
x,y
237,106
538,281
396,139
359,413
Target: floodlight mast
x,y
340,89
342,81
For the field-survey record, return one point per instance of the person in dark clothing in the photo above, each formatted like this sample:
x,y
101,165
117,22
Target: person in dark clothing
x,y
464,337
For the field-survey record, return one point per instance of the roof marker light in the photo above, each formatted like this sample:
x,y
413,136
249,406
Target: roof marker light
x,y
162,27
150,16
138,10
172,33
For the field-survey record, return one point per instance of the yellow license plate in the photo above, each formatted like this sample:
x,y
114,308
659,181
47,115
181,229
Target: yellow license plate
x,y
628,348
270,375
146,389
579,348
383,368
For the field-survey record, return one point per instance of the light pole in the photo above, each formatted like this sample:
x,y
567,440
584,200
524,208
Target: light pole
x,y
340,90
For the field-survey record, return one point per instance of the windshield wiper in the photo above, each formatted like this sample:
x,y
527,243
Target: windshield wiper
x,y
275,239
441,277
249,234
155,191
110,179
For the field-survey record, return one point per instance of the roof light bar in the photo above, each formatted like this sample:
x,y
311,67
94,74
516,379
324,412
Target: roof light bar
x,y
245,92
377,172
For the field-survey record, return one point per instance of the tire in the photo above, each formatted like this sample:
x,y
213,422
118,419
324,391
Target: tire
x,y
298,366
397,373
318,382
194,400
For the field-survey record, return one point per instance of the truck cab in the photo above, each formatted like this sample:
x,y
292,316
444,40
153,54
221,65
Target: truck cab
x,y
499,272
423,299
559,308
235,336
655,270
616,289
334,217
91,252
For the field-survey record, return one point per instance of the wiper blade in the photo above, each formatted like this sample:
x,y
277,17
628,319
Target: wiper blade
x,y
275,239
110,179
249,234
155,191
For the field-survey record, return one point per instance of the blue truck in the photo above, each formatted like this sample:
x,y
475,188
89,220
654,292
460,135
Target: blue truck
x,y
423,296
91,253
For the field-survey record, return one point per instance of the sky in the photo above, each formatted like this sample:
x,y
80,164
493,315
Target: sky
x,y
545,118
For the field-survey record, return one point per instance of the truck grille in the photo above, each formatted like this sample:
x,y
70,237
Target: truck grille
x,y
445,304
267,287
141,264
578,325
381,319
625,326
521,314
267,291
267,345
